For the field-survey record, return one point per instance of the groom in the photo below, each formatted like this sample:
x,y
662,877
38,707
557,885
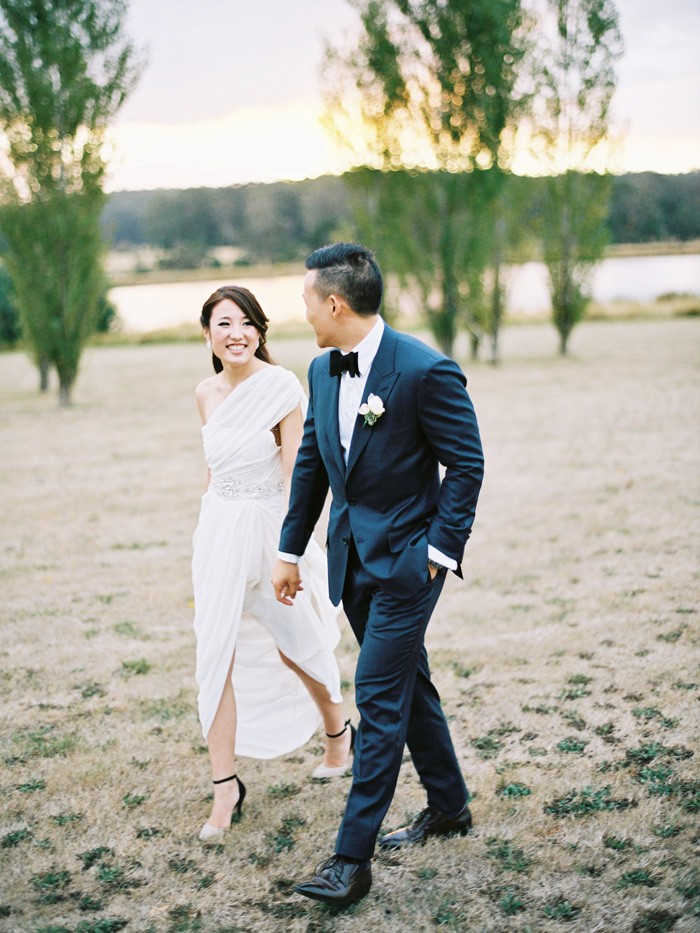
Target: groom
x,y
381,419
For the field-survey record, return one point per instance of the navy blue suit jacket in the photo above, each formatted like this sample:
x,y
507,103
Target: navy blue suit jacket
x,y
390,498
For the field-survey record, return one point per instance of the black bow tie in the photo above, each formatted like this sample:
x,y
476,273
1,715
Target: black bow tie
x,y
344,363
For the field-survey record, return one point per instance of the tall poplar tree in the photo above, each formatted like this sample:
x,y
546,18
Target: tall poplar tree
x,y
65,70
580,42
424,99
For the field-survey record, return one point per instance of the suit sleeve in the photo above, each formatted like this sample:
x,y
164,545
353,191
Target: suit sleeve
x,y
449,423
308,489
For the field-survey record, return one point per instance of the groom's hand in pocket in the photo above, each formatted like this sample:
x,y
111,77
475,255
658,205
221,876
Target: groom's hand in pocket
x,y
286,581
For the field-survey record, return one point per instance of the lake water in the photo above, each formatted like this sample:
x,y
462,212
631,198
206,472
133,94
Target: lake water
x,y
638,278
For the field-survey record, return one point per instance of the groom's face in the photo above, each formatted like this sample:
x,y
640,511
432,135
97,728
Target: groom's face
x,y
320,312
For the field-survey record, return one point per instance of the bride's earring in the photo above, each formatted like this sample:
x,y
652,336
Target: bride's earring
x,y
208,344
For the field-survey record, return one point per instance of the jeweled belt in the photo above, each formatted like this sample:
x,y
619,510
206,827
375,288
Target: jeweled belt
x,y
228,486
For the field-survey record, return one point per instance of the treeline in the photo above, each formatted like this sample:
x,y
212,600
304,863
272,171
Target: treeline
x,y
283,221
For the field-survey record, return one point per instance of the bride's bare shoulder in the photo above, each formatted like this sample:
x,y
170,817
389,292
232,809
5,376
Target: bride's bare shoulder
x,y
205,387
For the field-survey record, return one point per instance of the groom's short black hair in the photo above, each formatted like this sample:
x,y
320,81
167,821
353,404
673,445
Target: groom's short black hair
x,y
350,271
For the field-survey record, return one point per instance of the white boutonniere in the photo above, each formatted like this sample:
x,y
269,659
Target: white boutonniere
x,y
372,410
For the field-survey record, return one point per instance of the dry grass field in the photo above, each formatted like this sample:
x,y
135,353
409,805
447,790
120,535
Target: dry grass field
x,y
567,661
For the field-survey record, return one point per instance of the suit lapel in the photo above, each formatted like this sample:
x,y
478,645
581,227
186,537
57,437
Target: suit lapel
x,y
380,381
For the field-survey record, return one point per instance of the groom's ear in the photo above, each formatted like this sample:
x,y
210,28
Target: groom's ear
x,y
336,304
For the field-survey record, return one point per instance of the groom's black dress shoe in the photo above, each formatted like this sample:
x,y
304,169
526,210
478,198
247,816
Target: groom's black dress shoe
x,y
338,882
430,822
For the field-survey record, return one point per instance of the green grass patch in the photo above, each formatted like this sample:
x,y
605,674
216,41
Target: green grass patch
x,y
31,787
65,819
639,877
672,636
115,878
487,746
507,856
574,693
13,839
574,720
181,865
131,801
105,925
167,710
87,903
646,753
90,689
129,629
562,910
51,885
655,921
572,745
449,916
139,666
647,713
284,837
45,742
283,790
92,856
514,790
148,832
614,842
510,902
584,802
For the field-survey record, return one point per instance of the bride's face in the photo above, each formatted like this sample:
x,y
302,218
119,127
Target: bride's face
x,y
234,337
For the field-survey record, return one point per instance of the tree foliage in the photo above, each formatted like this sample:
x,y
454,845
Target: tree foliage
x,y
644,207
65,69
580,44
430,87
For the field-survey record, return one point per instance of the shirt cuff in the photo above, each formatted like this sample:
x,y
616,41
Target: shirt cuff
x,y
291,558
440,558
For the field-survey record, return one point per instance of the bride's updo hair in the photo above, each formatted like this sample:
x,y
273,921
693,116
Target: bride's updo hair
x,y
249,305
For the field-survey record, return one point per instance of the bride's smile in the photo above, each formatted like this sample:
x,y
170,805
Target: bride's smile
x,y
234,337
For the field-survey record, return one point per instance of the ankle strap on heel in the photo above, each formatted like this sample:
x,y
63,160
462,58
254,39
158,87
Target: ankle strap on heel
x,y
225,780
338,734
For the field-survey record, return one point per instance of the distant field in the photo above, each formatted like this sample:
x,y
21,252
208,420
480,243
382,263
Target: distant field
x,y
567,661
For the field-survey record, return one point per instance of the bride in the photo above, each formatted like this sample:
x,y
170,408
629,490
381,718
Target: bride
x,y
266,674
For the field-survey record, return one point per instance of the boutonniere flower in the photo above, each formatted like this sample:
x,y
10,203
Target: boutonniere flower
x,y
372,410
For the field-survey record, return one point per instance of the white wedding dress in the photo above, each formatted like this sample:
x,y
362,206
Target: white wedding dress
x,y
234,547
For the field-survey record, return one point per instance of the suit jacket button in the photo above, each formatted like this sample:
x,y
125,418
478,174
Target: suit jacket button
x,y
352,501
345,540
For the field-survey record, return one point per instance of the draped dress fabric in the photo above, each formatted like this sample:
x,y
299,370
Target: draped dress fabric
x,y
234,548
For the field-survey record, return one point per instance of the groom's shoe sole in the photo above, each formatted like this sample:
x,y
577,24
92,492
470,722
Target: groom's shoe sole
x,y
431,822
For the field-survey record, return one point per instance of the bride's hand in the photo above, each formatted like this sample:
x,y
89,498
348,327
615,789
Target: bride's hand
x,y
286,581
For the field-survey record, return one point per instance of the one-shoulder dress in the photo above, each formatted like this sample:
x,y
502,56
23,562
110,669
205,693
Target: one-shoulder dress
x,y
234,547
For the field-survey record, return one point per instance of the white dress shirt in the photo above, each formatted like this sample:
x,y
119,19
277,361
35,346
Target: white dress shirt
x,y
352,388
351,396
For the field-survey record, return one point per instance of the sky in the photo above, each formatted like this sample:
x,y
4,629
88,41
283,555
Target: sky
x,y
231,92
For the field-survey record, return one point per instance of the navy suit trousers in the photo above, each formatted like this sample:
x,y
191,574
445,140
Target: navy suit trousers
x,y
398,705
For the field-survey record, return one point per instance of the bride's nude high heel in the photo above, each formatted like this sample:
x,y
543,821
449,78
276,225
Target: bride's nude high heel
x,y
215,834
324,771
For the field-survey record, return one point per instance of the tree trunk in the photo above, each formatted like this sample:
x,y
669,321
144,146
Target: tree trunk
x,y
474,342
497,294
445,344
64,394
44,370
563,342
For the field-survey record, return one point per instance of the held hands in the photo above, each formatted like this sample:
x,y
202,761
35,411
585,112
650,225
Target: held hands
x,y
286,581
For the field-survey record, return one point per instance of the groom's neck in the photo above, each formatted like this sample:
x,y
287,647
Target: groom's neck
x,y
355,330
